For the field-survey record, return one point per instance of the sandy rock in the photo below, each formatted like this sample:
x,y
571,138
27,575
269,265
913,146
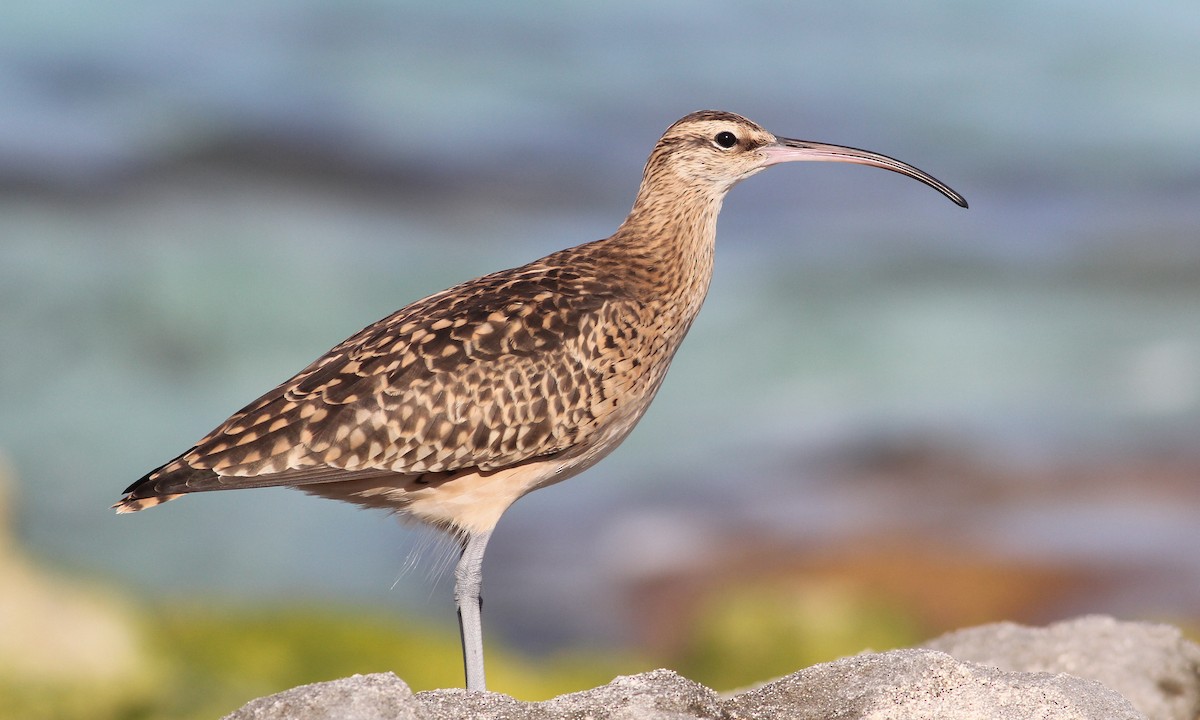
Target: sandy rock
x,y
1153,666
927,685
656,695
379,696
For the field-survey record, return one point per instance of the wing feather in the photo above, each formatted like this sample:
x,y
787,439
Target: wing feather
x,y
508,367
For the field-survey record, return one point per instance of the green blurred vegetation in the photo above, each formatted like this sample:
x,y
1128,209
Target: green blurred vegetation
x,y
204,662
247,654
750,633
193,660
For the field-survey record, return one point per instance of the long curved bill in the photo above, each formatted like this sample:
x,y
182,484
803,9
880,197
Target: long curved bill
x,y
788,150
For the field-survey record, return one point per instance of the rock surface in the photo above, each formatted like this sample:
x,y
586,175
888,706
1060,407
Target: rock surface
x,y
1153,666
359,697
919,684
1072,670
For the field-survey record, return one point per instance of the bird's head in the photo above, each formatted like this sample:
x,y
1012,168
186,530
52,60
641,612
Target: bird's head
x,y
713,150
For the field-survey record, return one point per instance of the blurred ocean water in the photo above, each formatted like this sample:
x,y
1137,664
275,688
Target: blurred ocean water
x,y
196,199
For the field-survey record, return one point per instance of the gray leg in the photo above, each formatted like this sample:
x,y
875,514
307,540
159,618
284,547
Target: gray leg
x,y
468,579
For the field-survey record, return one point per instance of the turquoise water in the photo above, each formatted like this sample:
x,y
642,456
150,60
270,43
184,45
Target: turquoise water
x,y
198,199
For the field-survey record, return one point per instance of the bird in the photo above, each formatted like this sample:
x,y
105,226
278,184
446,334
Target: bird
x,y
453,407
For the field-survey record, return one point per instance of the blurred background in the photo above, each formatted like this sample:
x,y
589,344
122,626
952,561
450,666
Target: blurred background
x,y
893,418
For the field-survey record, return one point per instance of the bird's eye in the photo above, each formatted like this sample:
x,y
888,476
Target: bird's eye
x,y
725,139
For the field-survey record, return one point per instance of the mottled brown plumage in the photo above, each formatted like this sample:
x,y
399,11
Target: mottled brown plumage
x,y
458,404
552,361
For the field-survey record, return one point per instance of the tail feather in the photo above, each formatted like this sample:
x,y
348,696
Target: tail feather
x,y
149,490
154,488
178,478
130,503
